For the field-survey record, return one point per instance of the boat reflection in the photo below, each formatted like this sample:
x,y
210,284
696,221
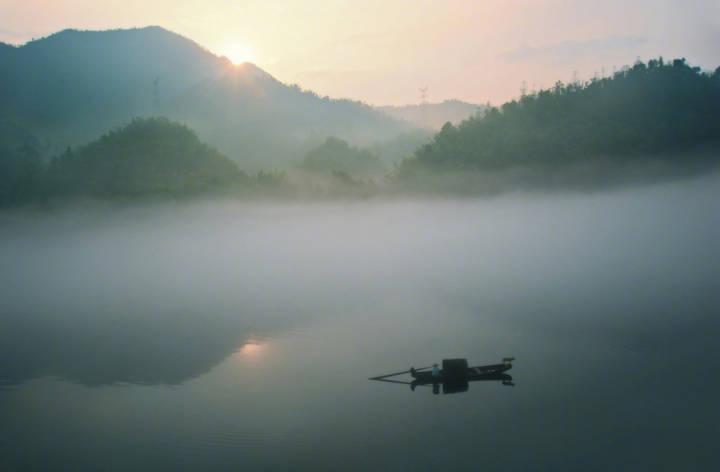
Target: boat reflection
x,y
457,386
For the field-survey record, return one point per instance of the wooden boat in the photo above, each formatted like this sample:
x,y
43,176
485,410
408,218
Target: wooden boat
x,y
455,375
454,370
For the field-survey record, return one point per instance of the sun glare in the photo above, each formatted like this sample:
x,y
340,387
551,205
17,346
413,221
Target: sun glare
x,y
238,53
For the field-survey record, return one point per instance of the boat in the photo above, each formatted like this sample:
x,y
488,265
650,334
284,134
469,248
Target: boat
x,y
457,369
455,375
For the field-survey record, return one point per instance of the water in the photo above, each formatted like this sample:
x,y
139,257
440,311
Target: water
x,y
226,336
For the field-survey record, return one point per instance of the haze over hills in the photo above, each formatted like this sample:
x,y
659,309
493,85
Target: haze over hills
x,y
71,87
101,93
432,116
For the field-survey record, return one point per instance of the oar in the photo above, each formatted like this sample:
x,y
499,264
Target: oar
x,y
380,377
392,381
401,382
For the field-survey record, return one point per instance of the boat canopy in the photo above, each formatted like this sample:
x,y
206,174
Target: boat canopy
x,y
454,368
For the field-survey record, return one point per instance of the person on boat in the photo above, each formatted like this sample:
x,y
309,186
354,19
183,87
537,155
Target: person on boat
x,y
435,371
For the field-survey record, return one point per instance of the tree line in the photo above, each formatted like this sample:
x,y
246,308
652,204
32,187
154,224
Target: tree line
x,y
147,157
650,109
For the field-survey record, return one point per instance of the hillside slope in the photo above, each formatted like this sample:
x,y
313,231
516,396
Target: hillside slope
x,y
649,109
648,115
70,87
146,157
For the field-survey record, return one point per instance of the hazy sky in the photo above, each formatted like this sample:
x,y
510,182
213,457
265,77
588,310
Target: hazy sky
x,y
383,51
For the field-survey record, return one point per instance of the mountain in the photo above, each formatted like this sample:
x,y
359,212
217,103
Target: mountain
x,y
89,79
72,86
432,116
247,112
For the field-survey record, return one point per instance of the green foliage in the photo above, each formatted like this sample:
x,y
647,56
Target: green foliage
x,y
337,156
146,157
646,110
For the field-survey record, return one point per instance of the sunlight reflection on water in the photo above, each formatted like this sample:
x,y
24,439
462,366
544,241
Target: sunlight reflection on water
x,y
252,349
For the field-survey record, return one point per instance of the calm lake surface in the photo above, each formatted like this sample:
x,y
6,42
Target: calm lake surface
x,y
240,336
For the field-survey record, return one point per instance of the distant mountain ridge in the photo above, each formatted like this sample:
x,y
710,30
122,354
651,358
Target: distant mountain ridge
x,y
432,116
72,86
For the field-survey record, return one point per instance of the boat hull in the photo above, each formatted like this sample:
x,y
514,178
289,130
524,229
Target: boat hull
x,y
485,372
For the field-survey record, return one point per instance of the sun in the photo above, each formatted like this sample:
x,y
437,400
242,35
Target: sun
x,y
238,53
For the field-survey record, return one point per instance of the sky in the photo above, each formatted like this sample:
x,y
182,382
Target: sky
x,y
383,52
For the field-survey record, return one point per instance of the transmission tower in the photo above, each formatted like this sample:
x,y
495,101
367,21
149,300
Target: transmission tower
x,y
423,95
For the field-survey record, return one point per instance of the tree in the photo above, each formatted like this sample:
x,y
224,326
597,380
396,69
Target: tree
x,y
336,155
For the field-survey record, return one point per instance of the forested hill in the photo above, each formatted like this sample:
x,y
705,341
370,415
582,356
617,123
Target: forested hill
x,y
649,110
72,86
146,157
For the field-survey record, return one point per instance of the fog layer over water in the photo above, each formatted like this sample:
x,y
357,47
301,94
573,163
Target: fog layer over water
x,y
226,334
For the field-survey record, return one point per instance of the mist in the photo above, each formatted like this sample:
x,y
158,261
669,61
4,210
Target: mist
x,y
225,302
268,264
